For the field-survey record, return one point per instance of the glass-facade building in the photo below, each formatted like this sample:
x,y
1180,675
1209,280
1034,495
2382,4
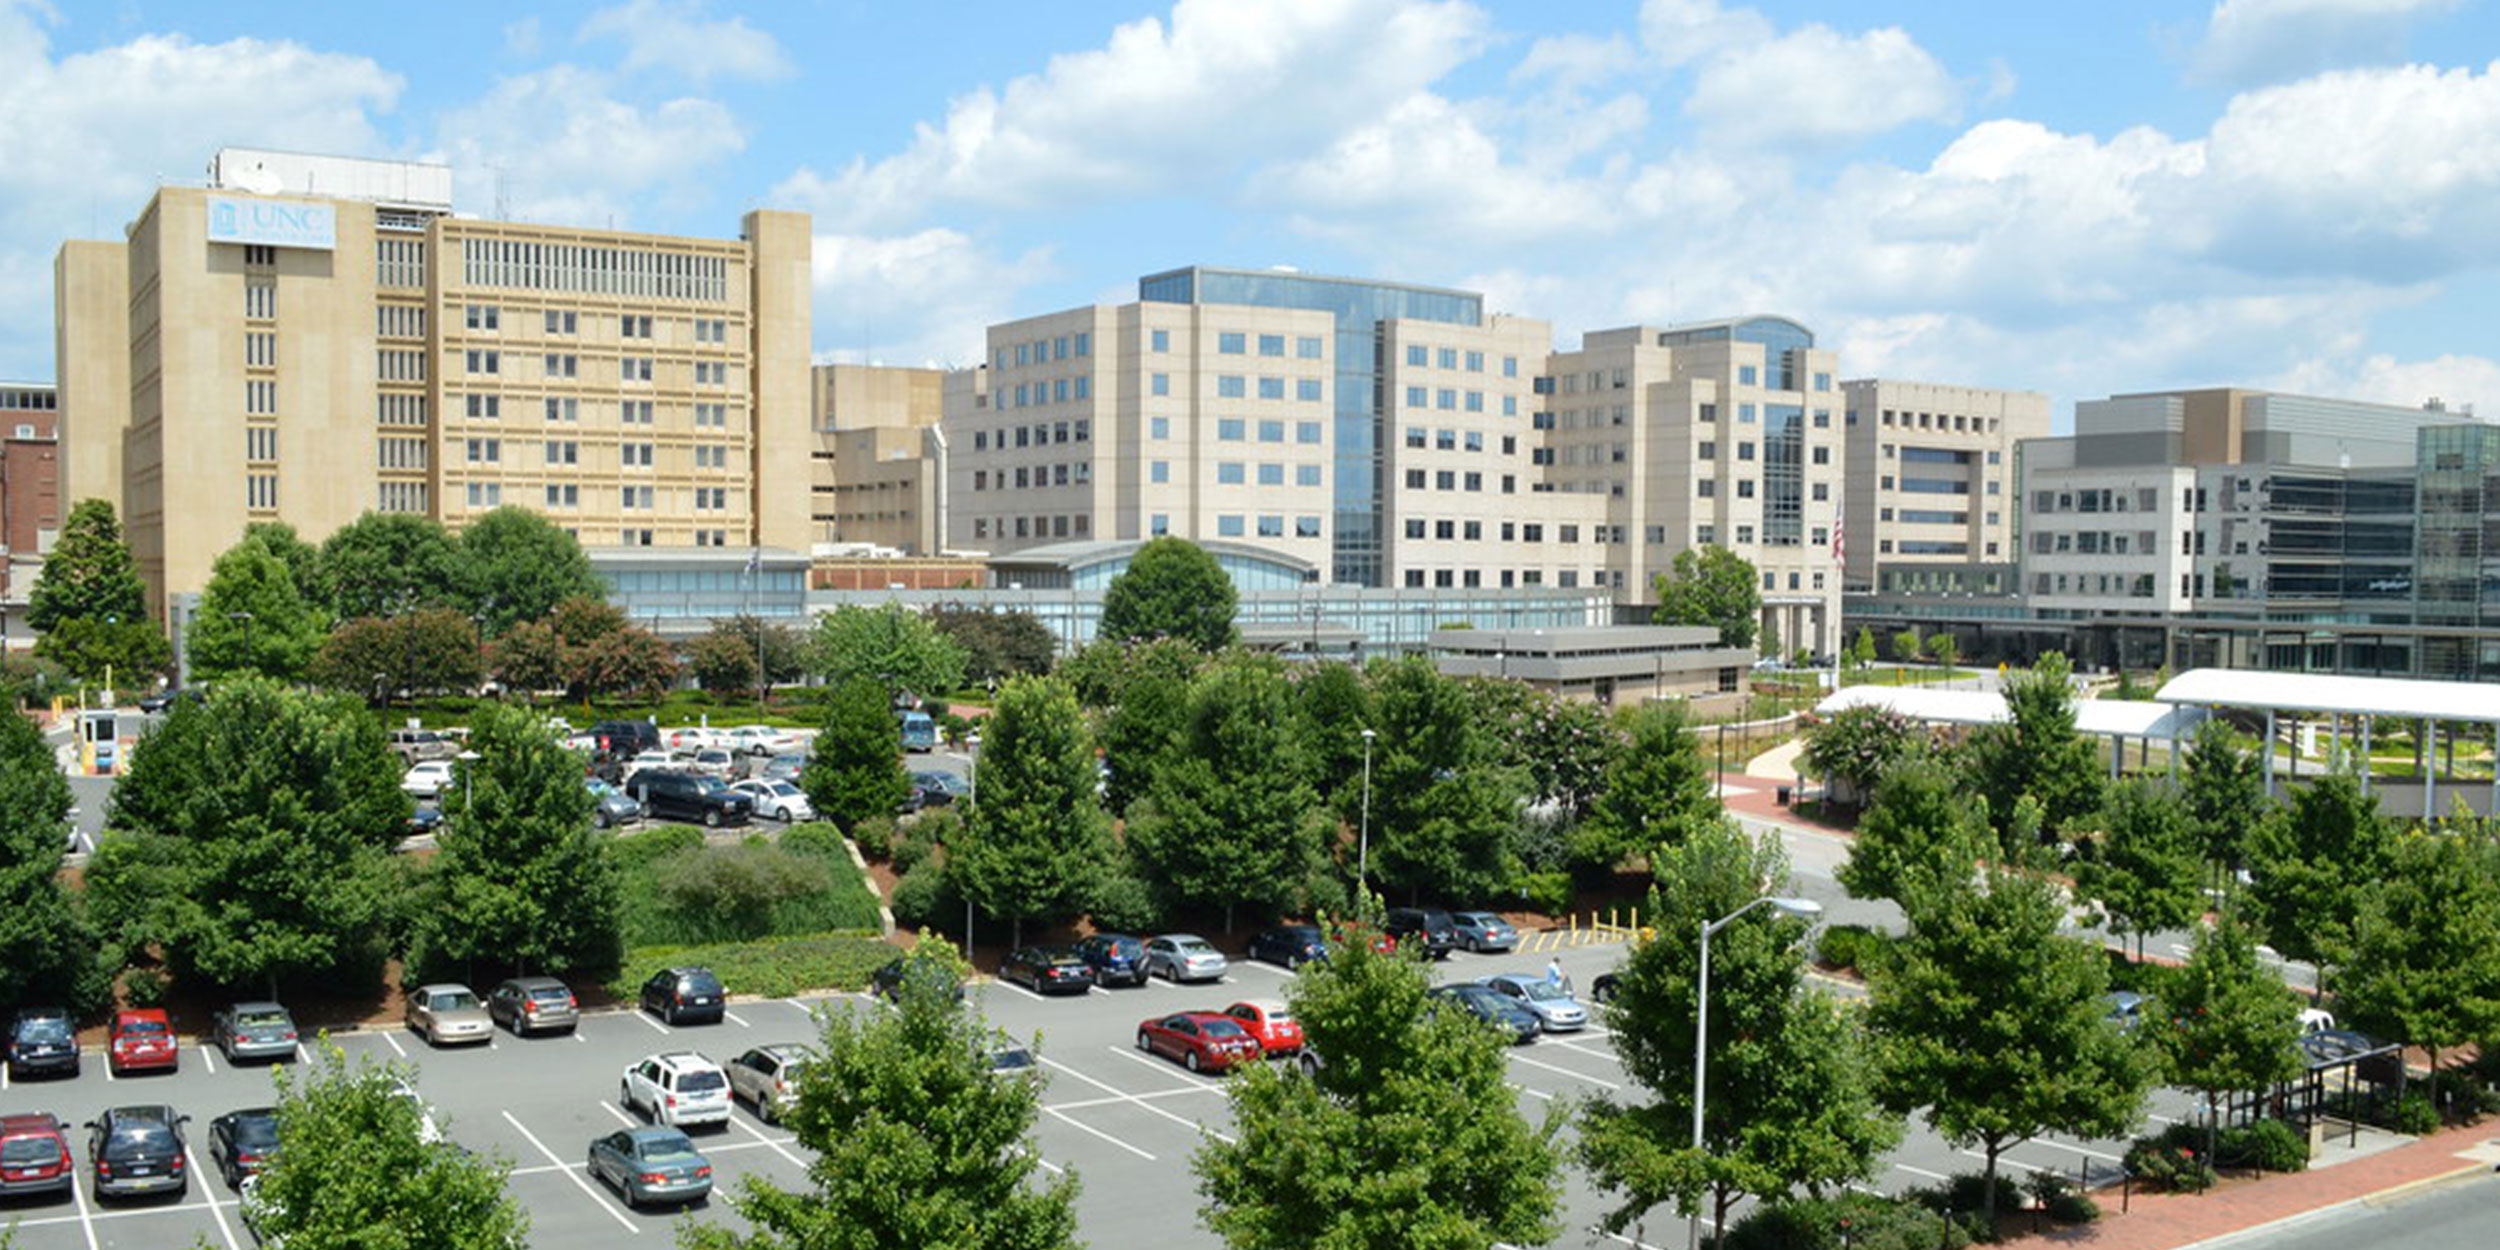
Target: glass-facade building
x,y
1361,309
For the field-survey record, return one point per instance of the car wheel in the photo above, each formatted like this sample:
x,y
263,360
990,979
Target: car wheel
x,y
1190,1061
1142,1043
711,818
601,819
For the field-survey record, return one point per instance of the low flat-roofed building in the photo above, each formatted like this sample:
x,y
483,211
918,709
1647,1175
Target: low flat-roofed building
x,y
1605,664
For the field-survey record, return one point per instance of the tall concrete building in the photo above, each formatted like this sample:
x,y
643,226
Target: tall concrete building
x,y
1931,499
880,458
306,339
30,497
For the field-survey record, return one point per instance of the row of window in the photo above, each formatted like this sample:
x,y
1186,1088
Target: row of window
x,y
1077,474
1065,525
1456,479
1237,343
2098,585
592,270
1568,579
1042,351
1055,391
1958,423
1039,434
568,495
483,361
410,410
1419,356
1236,473
2095,543
1708,488
2143,499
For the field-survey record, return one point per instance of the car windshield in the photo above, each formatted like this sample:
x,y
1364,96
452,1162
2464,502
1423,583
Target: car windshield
x,y
46,1029
1013,1059
256,1130
551,993
455,1000
711,785
666,1149
20,1151
700,1081
142,1137
1193,946
270,1018
147,1028
1223,1028
705,984
598,787
1541,991
1278,1015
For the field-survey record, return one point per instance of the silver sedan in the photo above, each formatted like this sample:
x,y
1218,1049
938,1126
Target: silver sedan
x,y
1551,1004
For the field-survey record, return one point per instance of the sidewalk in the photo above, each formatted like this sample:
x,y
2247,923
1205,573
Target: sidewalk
x,y
2179,1221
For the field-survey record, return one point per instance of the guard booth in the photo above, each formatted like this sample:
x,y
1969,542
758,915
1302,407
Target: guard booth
x,y
99,741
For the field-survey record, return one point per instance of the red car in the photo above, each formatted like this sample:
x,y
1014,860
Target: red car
x,y
1202,1040
1271,1022
34,1156
143,1038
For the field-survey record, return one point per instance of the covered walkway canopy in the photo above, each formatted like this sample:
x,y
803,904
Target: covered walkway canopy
x,y
2115,719
2365,699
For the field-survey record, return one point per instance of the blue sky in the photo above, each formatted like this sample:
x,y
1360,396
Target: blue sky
x,y
2076,199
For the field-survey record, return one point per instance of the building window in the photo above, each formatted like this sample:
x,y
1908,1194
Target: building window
x,y
1160,523
559,322
1232,343
484,407
635,498
485,450
1229,429
1271,475
485,494
564,409
564,495
484,361
634,326
1271,345
1228,526
484,318
1308,390
1231,386
1159,471
1306,475
633,369
563,451
1228,473
1158,427
260,397
1271,526
260,300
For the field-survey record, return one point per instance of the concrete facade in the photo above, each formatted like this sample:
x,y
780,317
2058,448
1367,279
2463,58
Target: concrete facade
x,y
397,358
1932,484
879,462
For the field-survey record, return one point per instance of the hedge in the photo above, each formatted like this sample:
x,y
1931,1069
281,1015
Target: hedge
x,y
771,968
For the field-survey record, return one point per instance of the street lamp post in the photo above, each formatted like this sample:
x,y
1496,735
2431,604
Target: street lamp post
x,y
1803,909
1363,864
972,797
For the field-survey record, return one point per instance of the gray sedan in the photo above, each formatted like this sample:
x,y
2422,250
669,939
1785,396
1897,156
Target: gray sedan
x,y
1551,1004
648,1165
447,1013
254,1031
1184,957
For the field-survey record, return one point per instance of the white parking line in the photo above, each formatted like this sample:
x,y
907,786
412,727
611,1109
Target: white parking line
x,y
1129,1097
749,1129
577,1036
1084,1103
646,1018
299,1052
212,1064
1636,1245
1266,967
396,1048
209,1199
1922,1172
4,1077
733,1018
78,1195
1599,1082
1080,1124
1538,1094
574,1176
1010,985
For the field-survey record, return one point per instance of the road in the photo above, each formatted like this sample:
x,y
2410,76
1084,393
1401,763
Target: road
x,y
2452,1216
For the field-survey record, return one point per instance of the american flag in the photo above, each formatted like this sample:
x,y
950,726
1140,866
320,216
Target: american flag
x,y
755,560
1840,525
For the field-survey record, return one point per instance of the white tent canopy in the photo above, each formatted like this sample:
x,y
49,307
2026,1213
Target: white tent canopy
x,y
2103,718
2398,697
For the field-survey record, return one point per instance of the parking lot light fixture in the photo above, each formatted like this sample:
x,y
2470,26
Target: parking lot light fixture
x,y
1805,909
1363,845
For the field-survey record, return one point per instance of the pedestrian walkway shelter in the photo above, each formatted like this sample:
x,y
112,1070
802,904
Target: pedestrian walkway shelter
x,y
2119,720
2352,708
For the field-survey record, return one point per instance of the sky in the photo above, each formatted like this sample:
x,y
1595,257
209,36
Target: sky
x,y
2075,199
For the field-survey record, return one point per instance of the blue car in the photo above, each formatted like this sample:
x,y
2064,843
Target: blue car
x,y
1116,958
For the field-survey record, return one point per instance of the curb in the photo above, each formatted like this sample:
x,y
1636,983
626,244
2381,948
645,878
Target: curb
x,y
2393,1193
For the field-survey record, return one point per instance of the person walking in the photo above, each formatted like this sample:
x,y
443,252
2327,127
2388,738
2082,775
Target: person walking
x,y
1554,973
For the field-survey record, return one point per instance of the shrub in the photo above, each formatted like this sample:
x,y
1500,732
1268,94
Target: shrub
x,y
1124,902
921,897
144,987
1849,946
1856,1221
1547,892
773,968
909,851
2463,1094
876,837
737,888
1966,1194
817,838
637,851
2413,1115
2057,1194
2167,1164
2267,1145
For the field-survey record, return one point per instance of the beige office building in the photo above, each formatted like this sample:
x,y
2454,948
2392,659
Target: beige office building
x,y
307,339
879,477
1931,499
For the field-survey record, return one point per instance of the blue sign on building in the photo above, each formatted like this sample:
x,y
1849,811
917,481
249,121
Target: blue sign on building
x,y
275,223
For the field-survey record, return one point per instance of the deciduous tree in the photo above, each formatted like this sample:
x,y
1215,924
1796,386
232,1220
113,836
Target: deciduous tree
x,y
1230,818
47,952
514,565
1171,589
997,644
355,1166
251,619
2425,963
2142,867
897,648
1141,728
389,563
1853,747
2231,1024
2225,791
1711,585
1037,839
528,658
2311,860
1408,1135
88,574
426,651
1657,791
1332,707
1442,801
2038,752
855,773
1923,829
720,661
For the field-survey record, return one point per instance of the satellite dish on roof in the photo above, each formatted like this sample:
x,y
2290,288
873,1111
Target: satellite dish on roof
x,y
258,179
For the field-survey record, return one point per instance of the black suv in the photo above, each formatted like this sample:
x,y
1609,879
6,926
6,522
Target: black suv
x,y
685,796
42,1040
625,739
681,994
1429,927
138,1150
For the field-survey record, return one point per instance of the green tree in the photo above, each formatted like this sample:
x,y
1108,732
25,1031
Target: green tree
x,y
528,658
355,1167
1331,709
2141,869
387,563
1992,1022
1923,829
429,650
2425,963
1037,837
897,648
1657,790
629,661
1944,649
913,1140
2225,789
855,772
279,807
513,565
2232,1025
1443,804
47,952
1230,818
1790,1093
111,650
1855,746
1713,586
720,661
1862,651
1141,729
251,619
1171,589
1564,746
302,559
2311,860
784,652
1408,1136
519,880
88,574
997,644
1907,647
2038,752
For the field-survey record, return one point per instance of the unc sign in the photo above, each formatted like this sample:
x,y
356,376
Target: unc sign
x,y
276,223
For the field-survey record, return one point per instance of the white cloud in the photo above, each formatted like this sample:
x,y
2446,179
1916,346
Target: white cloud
x,y
678,36
522,38
921,299
2461,382
1224,87
557,145
86,137
1815,87
1429,166
1570,62
2256,41
1680,32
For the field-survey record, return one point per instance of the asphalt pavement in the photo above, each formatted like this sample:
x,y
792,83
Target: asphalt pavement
x,y
2455,1215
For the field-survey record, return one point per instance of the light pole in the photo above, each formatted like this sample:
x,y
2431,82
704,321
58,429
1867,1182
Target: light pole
x,y
1803,909
972,797
1363,864
468,789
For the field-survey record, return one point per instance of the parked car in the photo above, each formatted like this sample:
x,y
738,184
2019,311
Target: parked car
x,y
623,738
1202,1041
1271,1022
1429,929
1555,1009
2128,1010
1184,957
677,995
416,746
241,1143
941,788
42,1039
34,1156
1289,945
163,700
887,981
766,1077
645,761
1047,969
448,1013
786,767
424,818
1010,1059
759,740
685,796
1490,1007
609,806
253,1031
426,781
142,1039
779,800
648,1165
688,738
919,733
1602,990
1483,932
719,762
1116,958
138,1150
529,1005
676,1089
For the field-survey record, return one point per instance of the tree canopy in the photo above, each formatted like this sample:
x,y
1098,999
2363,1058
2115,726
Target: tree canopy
x,y
1171,589
46,950
89,606
514,565
2232,1025
888,644
252,619
1711,585
387,563
2142,867
2311,861
1230,819
1656,792
854,772
1443,803
2224,785
1923,829
2036,753
1852,748
2425,962
1037,840
997,644
355,1169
